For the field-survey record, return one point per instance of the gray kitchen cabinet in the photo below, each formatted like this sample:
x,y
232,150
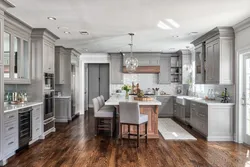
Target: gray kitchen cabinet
x,y
166,109
36,123
174,106
165,70
180,112
218,56
144,59
49,57
60,64
116,69
63,109
17,58
199,64
185,62
215,122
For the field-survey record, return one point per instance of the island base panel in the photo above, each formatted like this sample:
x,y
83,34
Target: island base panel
x,y
152,112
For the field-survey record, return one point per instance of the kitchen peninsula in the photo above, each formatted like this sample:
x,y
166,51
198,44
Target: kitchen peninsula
x,y
150,108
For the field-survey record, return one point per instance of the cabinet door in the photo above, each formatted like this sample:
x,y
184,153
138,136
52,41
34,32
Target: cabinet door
x,y
46,59
116,69
212,62
165,70
7,57
51,59
199,64
166,109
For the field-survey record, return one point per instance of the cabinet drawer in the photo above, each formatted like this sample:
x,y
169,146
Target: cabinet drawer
x,y
10,144
36,110
10,128
36,131
10,116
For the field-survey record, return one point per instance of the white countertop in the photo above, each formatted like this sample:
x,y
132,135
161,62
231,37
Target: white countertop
x,y
208,102
115,99
62,97
9,107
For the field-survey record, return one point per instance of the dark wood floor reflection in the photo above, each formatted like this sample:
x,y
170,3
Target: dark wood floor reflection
x,y
74,144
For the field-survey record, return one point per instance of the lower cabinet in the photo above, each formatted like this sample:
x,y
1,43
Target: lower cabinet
x,y
10,139
215,122
166,108
63,109
36,123
180,112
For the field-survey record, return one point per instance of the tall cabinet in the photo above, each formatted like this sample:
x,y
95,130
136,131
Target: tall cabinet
x,y
214,53
43,59
3,6
116,68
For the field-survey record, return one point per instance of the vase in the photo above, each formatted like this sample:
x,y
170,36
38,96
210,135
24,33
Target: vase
x,y
127,95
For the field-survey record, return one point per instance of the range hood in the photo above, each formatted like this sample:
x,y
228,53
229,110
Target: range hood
x,y
144,69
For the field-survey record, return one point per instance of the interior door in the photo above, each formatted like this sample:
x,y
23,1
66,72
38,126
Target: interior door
x,y
246,97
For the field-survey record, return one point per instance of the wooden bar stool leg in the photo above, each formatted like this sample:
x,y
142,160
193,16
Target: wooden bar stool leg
x,y
146,132
128,133
138,135
121,133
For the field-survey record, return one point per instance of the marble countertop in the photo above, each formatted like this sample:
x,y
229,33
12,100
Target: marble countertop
x,y
208,102
9,107
62,97
115,99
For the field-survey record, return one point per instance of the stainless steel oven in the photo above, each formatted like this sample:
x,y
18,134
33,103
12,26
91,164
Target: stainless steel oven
x,y
48,105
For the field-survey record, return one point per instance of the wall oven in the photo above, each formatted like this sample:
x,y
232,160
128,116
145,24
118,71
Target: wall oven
x,y
48,105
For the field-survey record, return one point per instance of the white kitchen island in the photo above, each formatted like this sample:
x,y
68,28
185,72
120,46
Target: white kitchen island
x,y
151,108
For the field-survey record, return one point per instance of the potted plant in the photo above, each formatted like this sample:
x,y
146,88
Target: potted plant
x,y
127,88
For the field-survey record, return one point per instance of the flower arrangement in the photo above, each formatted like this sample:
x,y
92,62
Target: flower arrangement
x,y
127,88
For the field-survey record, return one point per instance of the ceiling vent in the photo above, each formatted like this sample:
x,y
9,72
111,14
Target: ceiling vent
x,y
84,33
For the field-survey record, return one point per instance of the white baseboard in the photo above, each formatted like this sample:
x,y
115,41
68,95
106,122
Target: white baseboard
x,y
220,138
61,120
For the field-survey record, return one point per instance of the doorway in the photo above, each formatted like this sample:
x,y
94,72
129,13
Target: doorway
x,y
98,81
246,98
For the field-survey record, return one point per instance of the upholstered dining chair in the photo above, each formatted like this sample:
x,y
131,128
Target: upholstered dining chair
x,y
104,117
130,115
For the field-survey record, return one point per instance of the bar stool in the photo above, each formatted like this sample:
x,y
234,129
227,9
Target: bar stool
x,y
103,113
130,115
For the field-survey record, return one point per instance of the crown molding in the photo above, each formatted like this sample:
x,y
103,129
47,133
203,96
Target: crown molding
x,y
4,4
242,25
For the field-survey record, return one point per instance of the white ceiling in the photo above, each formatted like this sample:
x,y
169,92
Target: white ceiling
x,y
109,21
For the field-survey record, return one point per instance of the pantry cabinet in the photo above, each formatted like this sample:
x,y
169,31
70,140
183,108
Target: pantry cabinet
x,y
218,56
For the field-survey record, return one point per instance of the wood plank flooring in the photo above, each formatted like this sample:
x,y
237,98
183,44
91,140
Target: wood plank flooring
x,y
74,145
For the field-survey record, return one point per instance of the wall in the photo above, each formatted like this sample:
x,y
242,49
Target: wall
x,y
242,45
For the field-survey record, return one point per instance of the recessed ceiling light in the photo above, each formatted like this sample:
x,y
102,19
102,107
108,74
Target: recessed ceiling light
x,y
173,23
51,18
63,28
175,36
163,26
84,33
193,33
66,32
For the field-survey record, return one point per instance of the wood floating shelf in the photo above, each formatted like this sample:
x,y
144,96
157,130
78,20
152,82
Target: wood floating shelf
x,y
144,69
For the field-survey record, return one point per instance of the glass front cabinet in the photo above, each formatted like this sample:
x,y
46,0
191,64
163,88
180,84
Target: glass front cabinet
x,y
17,59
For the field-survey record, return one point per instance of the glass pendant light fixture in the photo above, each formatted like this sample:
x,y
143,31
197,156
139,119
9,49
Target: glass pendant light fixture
x,y
131,62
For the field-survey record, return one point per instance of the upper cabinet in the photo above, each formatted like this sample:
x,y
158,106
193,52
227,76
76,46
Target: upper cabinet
x,y
165,69
217,56
17,51
116,68
199,64
43,51
144,59
60,65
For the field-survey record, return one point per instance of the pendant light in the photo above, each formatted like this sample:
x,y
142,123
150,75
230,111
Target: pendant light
x,y
131,62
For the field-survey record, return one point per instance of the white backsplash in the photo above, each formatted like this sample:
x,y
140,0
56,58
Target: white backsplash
x,y
146,81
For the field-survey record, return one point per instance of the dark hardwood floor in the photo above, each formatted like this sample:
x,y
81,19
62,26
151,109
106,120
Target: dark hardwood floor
x,y
74,144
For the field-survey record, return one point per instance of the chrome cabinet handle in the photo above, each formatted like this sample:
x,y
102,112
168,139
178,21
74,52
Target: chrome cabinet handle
x,y
37,129
12,116
10,143
10,128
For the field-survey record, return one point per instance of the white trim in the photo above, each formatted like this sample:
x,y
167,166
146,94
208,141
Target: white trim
x,y
87,58
238,93
242,25
220,138
61,120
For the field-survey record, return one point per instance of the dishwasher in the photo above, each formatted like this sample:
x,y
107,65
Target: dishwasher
x,y
25,127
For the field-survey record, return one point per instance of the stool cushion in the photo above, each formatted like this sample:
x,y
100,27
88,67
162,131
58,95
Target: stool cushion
x,y
143,118
105,113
